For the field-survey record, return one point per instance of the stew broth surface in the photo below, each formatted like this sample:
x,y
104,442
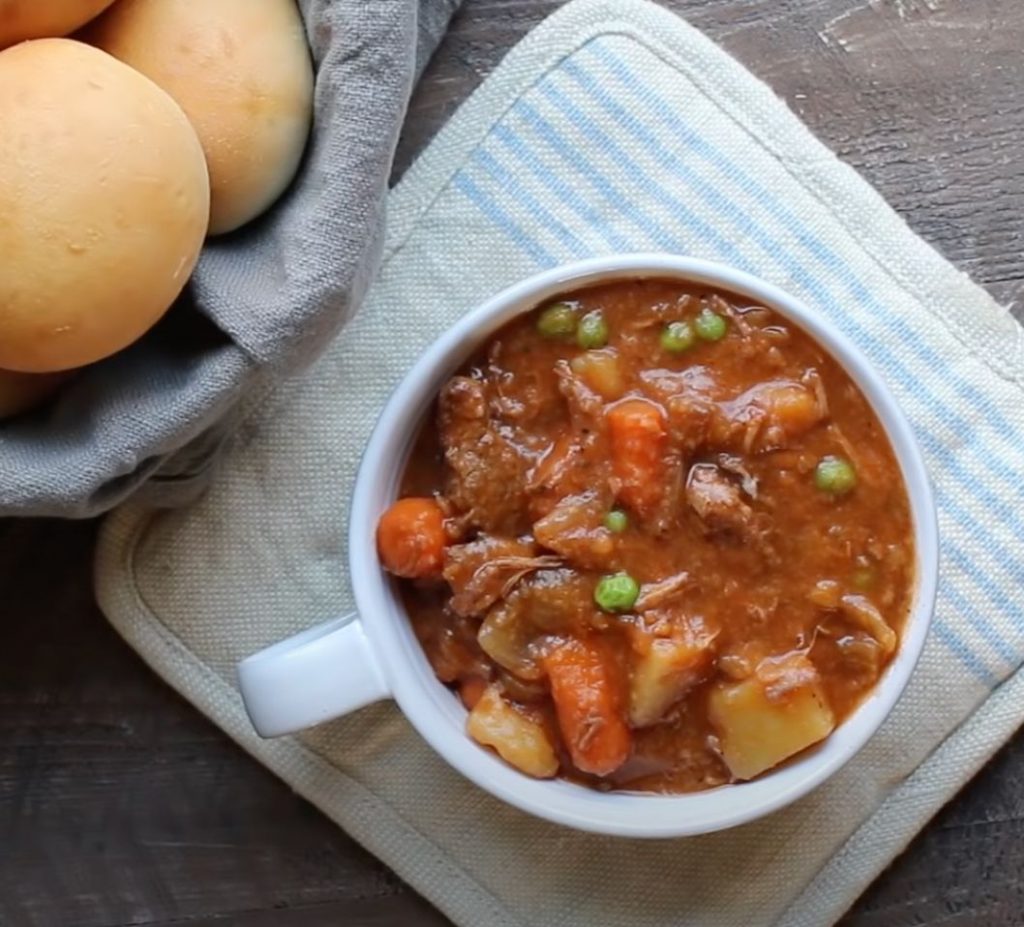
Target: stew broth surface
x,y
770,592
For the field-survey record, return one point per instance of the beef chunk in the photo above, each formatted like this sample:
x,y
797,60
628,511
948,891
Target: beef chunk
x,y
574,529
486,569
486,468
718,501
547,602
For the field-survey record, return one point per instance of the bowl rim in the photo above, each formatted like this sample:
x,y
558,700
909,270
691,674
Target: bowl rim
x,y
435,712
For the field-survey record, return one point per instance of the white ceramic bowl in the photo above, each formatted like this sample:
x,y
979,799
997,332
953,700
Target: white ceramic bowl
x,y
344,664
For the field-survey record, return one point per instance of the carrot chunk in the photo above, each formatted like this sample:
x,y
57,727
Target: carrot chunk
x,y
411,538
585,690
639,435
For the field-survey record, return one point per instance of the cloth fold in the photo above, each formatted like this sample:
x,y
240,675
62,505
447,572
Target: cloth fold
x,y
263,302
614,126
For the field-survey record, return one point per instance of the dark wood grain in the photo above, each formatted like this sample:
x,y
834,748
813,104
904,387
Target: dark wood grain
x,y
120,805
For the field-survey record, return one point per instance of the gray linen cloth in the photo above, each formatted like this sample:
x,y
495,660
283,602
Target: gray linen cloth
x,y
264,301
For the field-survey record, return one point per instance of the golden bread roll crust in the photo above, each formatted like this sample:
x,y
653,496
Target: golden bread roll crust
x,y
105,200
241,71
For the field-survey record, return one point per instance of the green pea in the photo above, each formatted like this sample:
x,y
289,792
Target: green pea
x,y
592,331
710,325
616,521
616,593
557,321
835,475
677,337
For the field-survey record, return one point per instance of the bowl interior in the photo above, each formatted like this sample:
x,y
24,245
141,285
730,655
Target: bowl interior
x,y
437,713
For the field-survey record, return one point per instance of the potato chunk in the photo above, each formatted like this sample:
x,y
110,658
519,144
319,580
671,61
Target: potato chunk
x,y
601,371
669,668
518,740
777,712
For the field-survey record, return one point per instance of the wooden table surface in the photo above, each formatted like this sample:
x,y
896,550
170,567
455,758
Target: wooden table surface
x,y
120,804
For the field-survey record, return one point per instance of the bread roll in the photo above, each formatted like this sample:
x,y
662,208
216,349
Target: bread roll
x,y
241,71
19,392
104,201
37,19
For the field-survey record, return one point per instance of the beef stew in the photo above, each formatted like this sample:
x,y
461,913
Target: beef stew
x,y
655,538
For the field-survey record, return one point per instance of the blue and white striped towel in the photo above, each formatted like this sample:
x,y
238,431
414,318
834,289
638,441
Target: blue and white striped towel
x,y
613,127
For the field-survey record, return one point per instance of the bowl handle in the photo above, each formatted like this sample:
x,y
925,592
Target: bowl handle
x,y
321,673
